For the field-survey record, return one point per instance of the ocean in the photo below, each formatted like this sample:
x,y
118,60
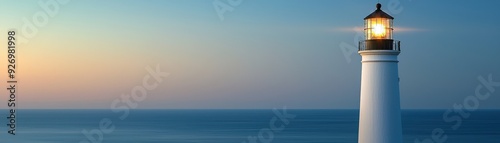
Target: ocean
x,y
236,126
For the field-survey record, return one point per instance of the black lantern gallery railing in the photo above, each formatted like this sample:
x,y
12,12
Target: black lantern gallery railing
x,y
386,44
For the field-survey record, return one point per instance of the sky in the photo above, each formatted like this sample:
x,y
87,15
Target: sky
x,y
263,53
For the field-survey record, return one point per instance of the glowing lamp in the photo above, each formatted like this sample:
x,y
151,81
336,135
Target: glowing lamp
x,y
378,25
378,32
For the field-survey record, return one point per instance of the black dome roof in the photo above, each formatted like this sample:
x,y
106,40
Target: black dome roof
x,y
379,13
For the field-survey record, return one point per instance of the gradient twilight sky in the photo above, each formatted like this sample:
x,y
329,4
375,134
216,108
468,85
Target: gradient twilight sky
x,y
264,54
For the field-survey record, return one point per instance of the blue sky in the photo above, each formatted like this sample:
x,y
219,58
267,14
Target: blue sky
x,y
264,54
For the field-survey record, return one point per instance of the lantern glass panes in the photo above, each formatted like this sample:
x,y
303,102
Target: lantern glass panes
x,y
378,28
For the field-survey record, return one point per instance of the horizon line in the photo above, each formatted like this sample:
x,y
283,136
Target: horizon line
x,y
231,109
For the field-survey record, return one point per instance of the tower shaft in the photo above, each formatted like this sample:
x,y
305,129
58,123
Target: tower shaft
x,y
380,116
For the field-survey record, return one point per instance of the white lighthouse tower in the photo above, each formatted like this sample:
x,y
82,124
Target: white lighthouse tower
x,y
380,115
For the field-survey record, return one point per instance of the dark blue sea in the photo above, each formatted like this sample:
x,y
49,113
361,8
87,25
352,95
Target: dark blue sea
x,y
237,126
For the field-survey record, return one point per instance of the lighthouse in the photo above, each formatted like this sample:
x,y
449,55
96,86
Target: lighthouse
x,y
380,115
